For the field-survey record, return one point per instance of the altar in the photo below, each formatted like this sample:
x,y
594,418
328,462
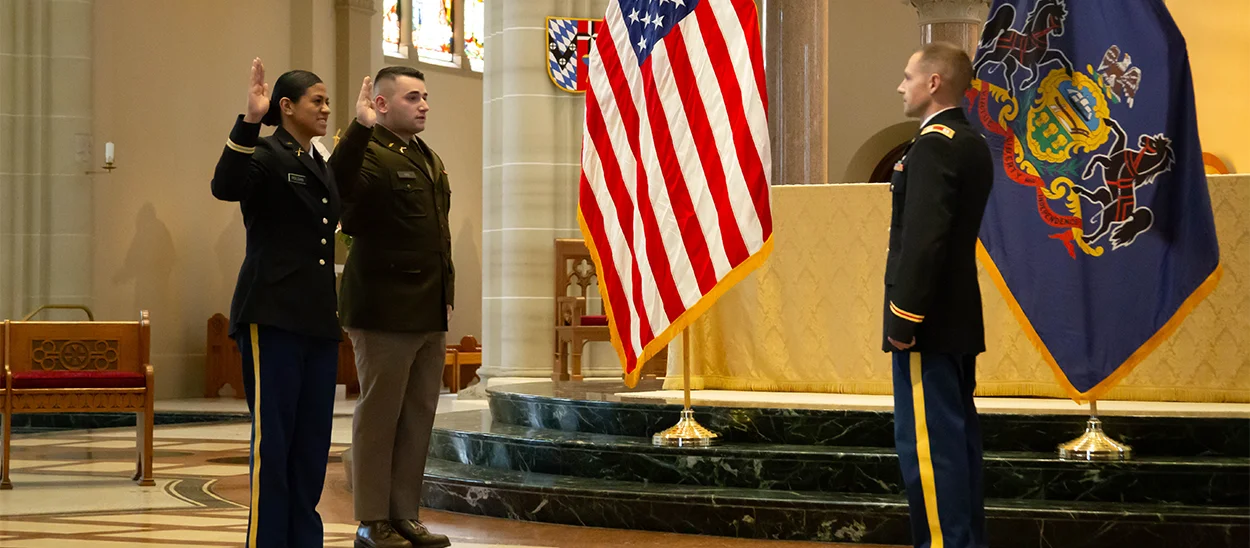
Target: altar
x,y
809,320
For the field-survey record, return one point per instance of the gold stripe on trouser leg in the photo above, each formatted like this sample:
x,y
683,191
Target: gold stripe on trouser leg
x,y
255,479
927,483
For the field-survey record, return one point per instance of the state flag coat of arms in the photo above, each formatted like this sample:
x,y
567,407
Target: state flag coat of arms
x,y
1099,230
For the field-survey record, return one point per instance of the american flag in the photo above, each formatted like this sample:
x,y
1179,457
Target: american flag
x,y
674,196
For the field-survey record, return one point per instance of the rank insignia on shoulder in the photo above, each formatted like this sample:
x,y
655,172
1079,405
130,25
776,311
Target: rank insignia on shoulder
x,y
939,128
295,178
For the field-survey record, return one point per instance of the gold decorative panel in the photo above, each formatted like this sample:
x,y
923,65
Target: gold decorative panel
x,y
809,320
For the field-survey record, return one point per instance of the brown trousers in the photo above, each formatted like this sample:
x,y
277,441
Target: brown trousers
x,y
400,377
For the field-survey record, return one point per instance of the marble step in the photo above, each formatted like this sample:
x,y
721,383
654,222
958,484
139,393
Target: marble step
x,y
537,407
794,515
471,437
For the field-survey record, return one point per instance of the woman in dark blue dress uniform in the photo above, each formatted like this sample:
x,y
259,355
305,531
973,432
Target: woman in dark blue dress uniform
x,y
284,314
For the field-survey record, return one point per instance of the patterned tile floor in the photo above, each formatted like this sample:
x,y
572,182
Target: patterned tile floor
x,y
72,490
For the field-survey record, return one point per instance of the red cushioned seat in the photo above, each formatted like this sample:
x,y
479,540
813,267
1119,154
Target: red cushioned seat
x,y
78,379
594,320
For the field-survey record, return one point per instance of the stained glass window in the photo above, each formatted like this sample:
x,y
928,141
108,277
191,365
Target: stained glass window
x,y
475,32
432,31
392,27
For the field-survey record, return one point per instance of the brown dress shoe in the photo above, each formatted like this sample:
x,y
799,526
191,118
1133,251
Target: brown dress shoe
x,y
420,537
379,534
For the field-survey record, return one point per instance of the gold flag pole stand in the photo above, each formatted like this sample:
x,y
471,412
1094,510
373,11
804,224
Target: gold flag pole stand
x,y
687,432
1094,444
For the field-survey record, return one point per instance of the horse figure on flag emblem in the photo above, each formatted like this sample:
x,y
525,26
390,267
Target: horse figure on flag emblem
x,y
1030,49
1123,171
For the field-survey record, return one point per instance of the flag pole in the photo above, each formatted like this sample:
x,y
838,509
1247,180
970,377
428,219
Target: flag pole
x,y
1094,444
687,432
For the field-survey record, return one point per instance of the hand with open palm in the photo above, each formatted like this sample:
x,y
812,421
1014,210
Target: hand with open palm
x,y
365,114
257,94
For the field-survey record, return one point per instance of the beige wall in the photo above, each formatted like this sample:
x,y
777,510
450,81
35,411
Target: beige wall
x,y
170,77
869,43
1217,33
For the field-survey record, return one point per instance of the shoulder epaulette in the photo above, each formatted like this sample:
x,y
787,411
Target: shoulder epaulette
x,y
939,128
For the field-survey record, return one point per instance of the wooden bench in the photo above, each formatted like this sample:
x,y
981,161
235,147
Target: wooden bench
x,y
79,367
223,365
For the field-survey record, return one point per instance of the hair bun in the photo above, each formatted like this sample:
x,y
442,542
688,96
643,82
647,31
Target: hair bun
x,y
273,116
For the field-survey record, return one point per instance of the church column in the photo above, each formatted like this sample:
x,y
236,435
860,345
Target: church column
x,y
45,151
531,154
956,21
357,37
796,49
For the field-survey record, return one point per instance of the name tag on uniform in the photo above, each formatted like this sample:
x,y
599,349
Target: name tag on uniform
x,y
407,175
295,178
898,166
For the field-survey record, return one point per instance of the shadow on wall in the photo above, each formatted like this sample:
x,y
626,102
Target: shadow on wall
x,y
875,150
149,262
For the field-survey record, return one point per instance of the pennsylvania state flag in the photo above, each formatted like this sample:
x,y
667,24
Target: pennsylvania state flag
x,y
1099,229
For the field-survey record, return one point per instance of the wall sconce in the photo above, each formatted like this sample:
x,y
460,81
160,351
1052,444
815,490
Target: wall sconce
x,y
108,166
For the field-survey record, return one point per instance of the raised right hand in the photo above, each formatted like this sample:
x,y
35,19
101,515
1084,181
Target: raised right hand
x,y
257,94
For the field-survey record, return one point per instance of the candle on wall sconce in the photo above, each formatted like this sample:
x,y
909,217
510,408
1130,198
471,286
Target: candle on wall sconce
x,y
109,157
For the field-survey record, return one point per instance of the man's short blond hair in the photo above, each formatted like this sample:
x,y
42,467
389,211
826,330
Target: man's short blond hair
x,y
951,62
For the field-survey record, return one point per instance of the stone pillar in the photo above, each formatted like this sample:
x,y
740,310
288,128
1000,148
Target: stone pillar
x,y
356,38
956,21
796,49
45,152
531,155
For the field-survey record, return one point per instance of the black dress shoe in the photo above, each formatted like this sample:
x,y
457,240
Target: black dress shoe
x,y
379,534
420,537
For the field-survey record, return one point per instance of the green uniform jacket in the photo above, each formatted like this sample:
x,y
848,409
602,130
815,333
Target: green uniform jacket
x,y
399,275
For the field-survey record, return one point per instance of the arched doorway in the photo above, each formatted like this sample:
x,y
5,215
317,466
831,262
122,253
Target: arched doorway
x,y
885,168
883,148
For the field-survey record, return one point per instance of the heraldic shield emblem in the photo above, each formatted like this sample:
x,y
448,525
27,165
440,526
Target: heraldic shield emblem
x,y
568,51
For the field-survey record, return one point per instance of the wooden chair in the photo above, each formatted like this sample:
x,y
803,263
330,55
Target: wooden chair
x,y
347,367
574,325
224,365
80,367
461,364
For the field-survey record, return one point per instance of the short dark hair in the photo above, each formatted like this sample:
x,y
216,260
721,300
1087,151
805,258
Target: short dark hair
x,y
392,73
291,85
952,63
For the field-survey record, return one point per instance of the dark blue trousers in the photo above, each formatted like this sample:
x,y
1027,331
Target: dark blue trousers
x,y
938,438
289,380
